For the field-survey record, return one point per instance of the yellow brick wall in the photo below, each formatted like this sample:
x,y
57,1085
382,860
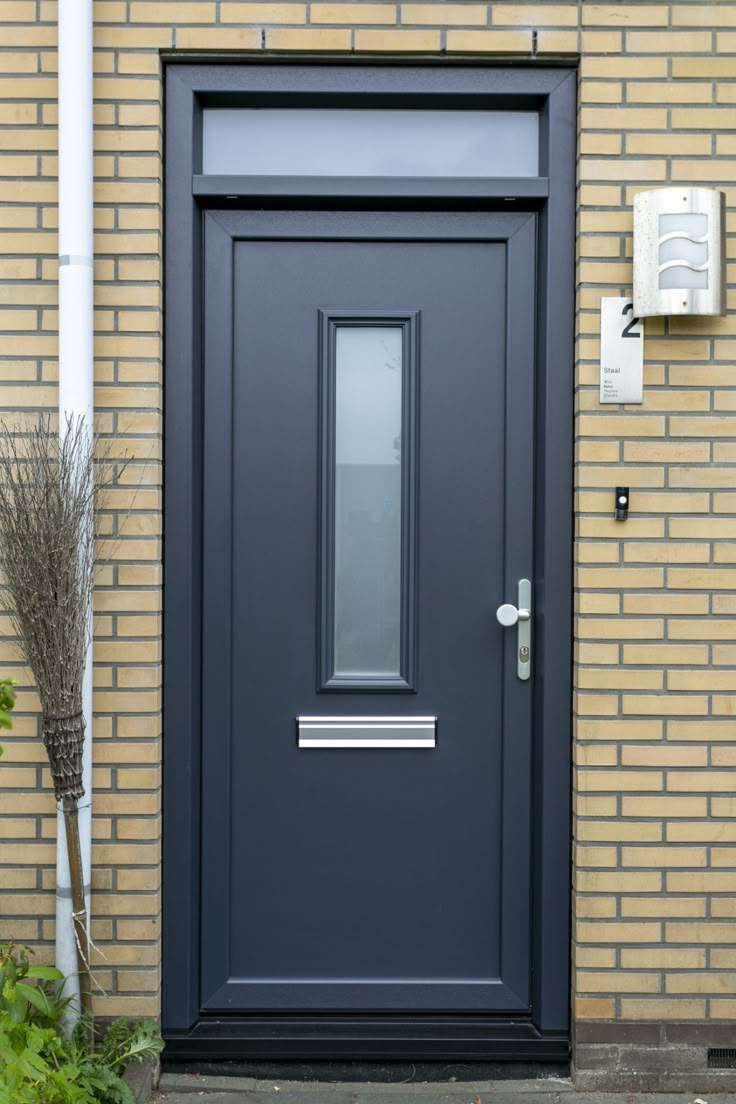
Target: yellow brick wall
x,y
655,676
126,857
655,739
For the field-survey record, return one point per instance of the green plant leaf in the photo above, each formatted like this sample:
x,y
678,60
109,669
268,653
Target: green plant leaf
x,y
48,973
32,1063
7,701
36,996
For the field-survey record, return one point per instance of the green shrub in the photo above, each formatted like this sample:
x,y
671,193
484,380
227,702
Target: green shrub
x,y
7,701
38,1065
29,994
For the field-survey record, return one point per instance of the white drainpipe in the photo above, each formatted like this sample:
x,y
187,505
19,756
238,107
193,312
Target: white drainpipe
x,y
76,370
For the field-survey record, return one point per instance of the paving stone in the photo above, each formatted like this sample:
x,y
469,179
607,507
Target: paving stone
x,y
247,1091
417,1088
333,1095
196,1083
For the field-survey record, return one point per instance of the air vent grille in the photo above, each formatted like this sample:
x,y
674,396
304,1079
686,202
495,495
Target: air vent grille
x,y
721,1057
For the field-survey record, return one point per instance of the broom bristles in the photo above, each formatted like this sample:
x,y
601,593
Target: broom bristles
x,y
47,559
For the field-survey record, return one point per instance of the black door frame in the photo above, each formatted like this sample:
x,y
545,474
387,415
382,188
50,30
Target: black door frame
x,y
550,90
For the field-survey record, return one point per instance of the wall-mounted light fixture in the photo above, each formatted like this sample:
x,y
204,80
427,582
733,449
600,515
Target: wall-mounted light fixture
x,y
679,252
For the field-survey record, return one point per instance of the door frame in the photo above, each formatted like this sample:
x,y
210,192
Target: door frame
x,y
550,90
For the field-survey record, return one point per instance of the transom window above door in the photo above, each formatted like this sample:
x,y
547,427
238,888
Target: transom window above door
x,y
369,142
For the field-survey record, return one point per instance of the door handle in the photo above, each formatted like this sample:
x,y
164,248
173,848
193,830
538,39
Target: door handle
x,y
521,616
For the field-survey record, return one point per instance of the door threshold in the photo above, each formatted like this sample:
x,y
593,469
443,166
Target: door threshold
x,y
505,1077
365,1038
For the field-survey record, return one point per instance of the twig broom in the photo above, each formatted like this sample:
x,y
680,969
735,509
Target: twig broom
x,y
48,500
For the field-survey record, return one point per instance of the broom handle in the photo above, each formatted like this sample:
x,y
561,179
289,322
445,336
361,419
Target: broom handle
x,y
79,912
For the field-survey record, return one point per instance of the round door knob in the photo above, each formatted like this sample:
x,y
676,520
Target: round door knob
x,y
507,615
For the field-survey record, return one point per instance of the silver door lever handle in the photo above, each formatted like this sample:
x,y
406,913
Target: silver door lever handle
x,y
521,615
508,615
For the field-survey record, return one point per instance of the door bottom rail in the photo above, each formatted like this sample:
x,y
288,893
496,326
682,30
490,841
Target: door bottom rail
x,y
378,1038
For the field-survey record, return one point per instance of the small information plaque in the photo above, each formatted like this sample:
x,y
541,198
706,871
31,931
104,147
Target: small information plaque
x,y
622,352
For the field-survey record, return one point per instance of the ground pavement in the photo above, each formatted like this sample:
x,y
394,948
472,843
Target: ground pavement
x,y
191,1089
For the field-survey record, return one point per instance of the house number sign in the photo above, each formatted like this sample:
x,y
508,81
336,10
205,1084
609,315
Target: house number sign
x,y
622,352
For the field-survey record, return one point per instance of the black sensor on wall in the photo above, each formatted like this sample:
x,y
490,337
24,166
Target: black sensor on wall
x,y
622,504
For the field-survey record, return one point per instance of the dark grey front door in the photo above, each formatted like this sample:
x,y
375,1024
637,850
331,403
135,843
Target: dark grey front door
x,y
368,459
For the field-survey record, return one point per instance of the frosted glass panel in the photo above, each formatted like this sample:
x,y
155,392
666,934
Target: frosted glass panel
x,y
368,388
340,142
683,238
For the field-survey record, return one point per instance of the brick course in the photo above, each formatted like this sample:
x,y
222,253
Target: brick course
x,y
655,743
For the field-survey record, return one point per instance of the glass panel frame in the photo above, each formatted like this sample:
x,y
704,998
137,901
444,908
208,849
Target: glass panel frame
x,y
369,373
329,323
